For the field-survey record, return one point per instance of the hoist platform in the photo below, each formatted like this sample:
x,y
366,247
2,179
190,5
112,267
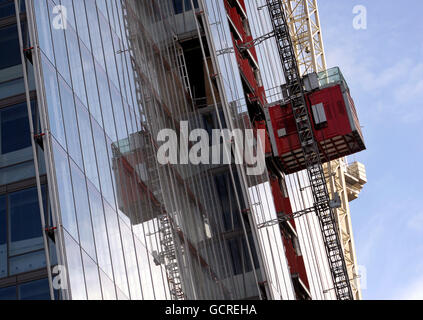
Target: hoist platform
x,y
333,117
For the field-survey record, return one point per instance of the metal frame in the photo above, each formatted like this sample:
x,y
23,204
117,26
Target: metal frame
x,y
304,25
310,149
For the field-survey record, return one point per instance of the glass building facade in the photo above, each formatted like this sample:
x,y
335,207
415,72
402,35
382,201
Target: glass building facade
x,y
84,191
23,273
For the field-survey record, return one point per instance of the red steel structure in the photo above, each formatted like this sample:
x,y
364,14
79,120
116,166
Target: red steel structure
x,y
334,121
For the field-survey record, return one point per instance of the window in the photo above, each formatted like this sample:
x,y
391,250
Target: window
x,y
319,115
35,290
183,5
9,39
15,133
7,8
8,293
25,222
177,5
21,242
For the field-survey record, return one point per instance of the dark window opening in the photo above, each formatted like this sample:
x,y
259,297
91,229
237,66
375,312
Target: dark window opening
x,y
15,133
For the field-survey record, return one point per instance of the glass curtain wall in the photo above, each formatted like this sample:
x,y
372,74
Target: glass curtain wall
x,y
88,89
129,228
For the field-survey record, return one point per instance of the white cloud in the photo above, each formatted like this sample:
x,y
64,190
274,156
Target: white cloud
x,y
396,88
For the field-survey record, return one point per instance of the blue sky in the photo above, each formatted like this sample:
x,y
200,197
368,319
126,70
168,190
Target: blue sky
x,y
383,66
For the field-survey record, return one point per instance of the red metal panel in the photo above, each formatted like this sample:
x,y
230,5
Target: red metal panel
x,y
340,136
261,125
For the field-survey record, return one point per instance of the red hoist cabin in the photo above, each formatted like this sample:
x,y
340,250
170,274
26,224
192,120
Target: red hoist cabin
x,y
334,120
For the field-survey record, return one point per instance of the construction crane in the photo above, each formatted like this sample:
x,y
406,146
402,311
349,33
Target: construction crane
x,y
305,29
289,51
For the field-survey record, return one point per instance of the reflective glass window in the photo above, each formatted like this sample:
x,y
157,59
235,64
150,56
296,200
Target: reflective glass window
x,y
35,290
53,101
7,8
8,293
76,65
75,269
106,104
43,28
25,222
109,51
87,144
178,6
69,12
15,134
91,83
107,287
100,231
131,262
103,163
97,47
71,126
116,249
91,278
83,211
27,262
64,187
60,51
81,21
9,39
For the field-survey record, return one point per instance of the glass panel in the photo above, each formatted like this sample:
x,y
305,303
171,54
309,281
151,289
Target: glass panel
x,y
87,144
108,287
60,52
3,238
106,105
11,88
71,127
330,76
83,211
43,28
92,279
145,271
64,187
81,21
131,262
91,83
178,6
75,270
76,65
7,8
69,11
53,101
100,232
27,262
97,47
8,293
15,134
25,223
109,51
35,290
9,39
116,249
103,163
